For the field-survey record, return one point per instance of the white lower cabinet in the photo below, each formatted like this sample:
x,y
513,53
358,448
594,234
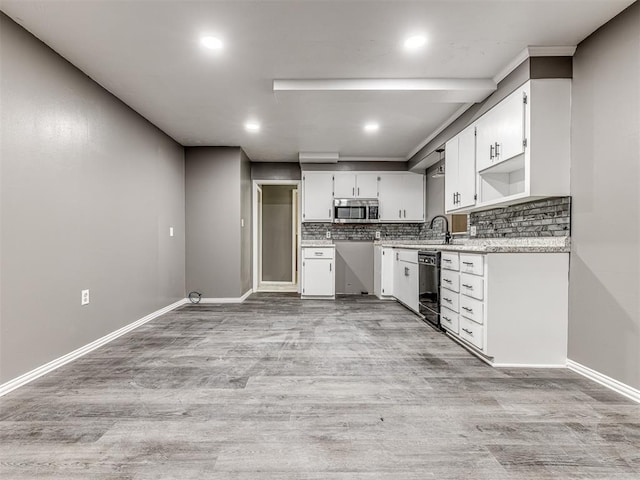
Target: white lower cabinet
x,y
383,272
318,272
512,308
405,278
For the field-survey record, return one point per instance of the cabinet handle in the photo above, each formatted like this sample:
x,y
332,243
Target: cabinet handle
x,y
406,271
454,198
468,331
468,263
491,155
470,287
318,253
447,299
329,213
448,260
399,213
358,191
468,309
446,280
405,214
330,268
497,147
446,319
353,191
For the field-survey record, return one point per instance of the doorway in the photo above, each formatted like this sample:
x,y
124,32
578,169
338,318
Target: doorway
x,y
276,236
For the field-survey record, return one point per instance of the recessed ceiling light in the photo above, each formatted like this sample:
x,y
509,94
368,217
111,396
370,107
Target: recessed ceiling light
x,y
211,43
371,127
414,42
252,127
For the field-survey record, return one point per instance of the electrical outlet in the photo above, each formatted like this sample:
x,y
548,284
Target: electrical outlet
x,y
328,234
473,230
377,235
84,300
171,231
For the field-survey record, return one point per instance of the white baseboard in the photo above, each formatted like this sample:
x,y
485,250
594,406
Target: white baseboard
x,y
529,365
227,299
69,357
613,384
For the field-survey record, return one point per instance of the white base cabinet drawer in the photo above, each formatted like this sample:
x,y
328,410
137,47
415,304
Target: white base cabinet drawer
x,y
472,309
319,252
449,320
450,261
449,299
472,332
472,286
450,280
472,263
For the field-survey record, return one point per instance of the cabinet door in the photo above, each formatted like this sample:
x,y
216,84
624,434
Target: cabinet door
x,y
398,277
317,277
510,126
451,174
344,185
391,197
486,138
411,285
413,197
466,168
367,185
317,197
387,271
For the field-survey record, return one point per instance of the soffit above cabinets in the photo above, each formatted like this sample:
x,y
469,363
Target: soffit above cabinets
x,y
149,55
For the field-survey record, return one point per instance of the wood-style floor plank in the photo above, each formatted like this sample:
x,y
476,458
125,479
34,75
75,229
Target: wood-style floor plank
x,y
279,388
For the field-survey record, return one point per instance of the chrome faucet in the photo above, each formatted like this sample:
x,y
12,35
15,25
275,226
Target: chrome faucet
x,y
447,234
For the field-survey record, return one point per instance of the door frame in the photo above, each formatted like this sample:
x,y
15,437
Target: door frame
x,y
255,242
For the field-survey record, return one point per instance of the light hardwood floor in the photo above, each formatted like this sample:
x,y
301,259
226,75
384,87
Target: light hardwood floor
x,y
279,388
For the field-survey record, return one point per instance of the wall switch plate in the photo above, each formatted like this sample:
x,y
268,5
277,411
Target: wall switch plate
x,y
171,231
377,235
84,300
328,235
473,230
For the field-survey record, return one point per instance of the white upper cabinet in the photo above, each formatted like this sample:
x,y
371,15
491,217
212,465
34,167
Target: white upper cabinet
x,y
460,168
401,197
522,150
355,185
501,132
317,197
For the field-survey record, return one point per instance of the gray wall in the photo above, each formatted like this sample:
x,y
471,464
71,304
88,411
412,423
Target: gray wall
x,y
277,229
275,171
88,192
435,193
218,197
604,319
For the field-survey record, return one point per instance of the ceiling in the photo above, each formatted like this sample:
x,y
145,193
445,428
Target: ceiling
x,y
148,53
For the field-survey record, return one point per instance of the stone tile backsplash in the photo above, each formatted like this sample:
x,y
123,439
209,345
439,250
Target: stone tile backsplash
x,y
541,218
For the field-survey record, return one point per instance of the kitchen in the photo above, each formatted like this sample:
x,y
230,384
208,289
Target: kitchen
x,y
135,176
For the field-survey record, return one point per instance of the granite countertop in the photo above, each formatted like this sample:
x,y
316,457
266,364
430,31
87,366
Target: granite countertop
x,y
317,243
490,245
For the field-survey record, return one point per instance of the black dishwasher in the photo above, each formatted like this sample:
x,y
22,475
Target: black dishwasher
x,y
429,286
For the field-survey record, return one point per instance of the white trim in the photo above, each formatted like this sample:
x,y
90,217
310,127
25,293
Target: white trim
x,y
69,357
529,365
611,383
474,87
227,299
532,51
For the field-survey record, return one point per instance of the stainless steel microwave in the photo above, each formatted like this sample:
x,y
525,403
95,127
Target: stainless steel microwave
x,y
352,210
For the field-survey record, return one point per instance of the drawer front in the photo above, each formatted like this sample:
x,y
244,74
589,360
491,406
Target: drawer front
x,y
310,252
449,319
449,299
471,332
450,261
472,309
450,280
472,263
410,256
472,286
